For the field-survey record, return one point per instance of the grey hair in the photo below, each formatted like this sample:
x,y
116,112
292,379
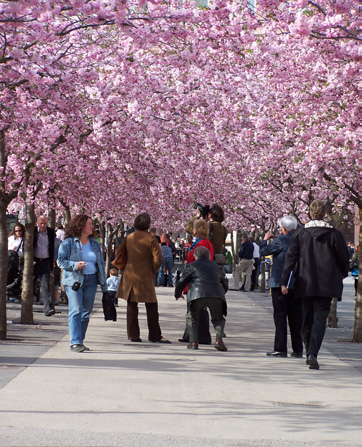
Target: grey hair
x,y
201,253
288,222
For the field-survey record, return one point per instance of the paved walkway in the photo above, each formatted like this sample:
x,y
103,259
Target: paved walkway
x,y
151,395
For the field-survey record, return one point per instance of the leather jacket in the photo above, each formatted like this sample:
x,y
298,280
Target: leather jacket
x,y
205,280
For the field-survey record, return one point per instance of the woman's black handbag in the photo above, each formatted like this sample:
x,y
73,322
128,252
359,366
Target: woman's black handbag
x,y
109,310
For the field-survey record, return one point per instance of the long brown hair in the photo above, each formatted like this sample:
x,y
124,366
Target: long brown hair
x,y
76,225
18,224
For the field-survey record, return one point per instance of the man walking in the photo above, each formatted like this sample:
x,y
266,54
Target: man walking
x,y
44,238
245,264
287,308
318,253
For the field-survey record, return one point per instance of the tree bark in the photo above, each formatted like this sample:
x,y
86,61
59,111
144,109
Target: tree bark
x,y
357,331
3,269
27,294
332,317
109,248
5,199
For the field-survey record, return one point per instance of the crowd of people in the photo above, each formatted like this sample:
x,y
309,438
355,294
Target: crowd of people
x,y
301,290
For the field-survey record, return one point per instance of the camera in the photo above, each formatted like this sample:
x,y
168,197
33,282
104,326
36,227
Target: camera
x,y
204,209
76,286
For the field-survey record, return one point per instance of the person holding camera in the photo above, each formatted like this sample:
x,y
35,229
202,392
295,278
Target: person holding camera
x,y
202,212
81,258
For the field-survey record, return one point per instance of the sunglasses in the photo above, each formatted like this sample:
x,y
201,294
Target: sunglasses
x,y
18,231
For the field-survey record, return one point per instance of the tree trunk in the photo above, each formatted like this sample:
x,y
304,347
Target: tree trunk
x,y
3,268
102,235
332,317
5,199
51,224
27,294
68,215
357,331
51,218
109,248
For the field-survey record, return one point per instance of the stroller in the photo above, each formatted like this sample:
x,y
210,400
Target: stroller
x,y
13,288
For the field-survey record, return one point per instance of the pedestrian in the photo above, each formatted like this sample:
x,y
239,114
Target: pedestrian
x,y
319,258
139,257
81,258
44,243
167,262
112,285
201,234
245,264
207,286
255,273
16,239
287,309
217,233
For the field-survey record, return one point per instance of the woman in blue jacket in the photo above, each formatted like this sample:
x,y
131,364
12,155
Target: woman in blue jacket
x,y
81,258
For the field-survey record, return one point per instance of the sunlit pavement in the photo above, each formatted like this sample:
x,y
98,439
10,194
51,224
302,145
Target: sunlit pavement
x,y
152,395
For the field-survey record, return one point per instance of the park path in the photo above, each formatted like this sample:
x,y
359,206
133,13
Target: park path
x,y
151,395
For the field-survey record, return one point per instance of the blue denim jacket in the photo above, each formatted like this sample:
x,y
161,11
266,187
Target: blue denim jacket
x,y
70,253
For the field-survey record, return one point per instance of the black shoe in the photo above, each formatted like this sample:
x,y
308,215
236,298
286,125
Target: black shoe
x,y
312,361
163,340
276,354
183,340
299,355
50,313
77,348
85,348
220,345
137,340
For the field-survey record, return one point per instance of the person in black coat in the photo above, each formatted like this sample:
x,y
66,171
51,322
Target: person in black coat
x,y
207,287
287,308
44,238
319,256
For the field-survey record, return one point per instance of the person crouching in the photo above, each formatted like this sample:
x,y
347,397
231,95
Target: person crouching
x,y
207,285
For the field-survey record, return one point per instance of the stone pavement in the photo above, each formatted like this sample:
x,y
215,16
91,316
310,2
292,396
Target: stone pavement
x,y
151,395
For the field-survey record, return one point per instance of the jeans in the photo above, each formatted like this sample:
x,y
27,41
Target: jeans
x,y
80,308
161,276
42,271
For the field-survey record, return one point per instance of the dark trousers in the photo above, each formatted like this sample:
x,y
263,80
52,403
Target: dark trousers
x,y
42,272
315,313
216,306
133,329
254,275
287,310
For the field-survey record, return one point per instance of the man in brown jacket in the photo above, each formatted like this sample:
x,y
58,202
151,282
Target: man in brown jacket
x,y
139,257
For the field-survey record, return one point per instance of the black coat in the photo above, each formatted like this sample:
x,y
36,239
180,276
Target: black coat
x,y
205,280
51,238
320,257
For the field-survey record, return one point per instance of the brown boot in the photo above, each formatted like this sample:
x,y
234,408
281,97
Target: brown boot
x,y
220,345
193,345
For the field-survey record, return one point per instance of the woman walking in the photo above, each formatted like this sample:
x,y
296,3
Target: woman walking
x,y
81,258
139,256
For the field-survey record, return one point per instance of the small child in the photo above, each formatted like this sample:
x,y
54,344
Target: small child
x,y
112,285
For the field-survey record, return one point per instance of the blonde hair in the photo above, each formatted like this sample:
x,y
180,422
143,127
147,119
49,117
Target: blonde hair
x,y
201,229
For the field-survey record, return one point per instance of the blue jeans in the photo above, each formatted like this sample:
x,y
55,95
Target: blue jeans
x,y
80,308
168,262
